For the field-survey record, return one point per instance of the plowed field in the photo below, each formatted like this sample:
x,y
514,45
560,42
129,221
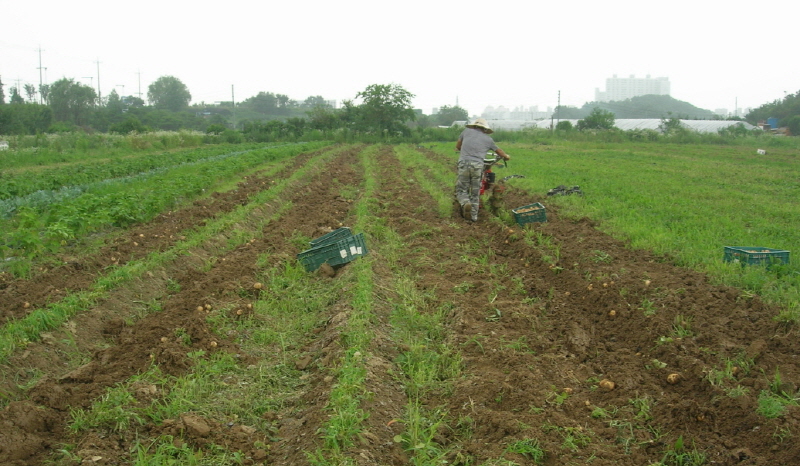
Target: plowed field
x,y
542,318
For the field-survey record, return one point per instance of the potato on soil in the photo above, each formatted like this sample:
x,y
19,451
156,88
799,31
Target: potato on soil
x,y
673,378
608,385
258,285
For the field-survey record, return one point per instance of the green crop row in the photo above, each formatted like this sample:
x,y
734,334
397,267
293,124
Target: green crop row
x,y
49,149
22,183
33,232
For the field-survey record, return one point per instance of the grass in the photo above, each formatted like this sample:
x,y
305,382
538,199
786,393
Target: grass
x,y
347,415
528,448
773,402
676,200
679,455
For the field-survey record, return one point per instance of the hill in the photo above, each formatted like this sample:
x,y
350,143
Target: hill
x,y
646,106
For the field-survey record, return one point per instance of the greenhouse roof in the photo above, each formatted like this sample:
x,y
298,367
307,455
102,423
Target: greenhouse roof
x,y
701,126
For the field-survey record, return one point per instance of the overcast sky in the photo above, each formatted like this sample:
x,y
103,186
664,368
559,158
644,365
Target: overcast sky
x,y
477,54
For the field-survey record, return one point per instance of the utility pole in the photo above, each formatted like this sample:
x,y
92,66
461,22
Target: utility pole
x,y
99,96
139,76
233,102
559,107
555,114
40,74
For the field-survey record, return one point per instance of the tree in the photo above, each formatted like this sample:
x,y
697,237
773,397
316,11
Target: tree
x,y
25,119
30,91
15,97
112,113
169,93
566,112
44,92
598,119
71,102
2,94
133,102
385,107
780,108
671,126
131,124
284,103
793,123
264,103
315,101
447,115
565,126
323,118
114,103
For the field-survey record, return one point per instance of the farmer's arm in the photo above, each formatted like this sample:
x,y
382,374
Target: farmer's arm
x,y
503,154
458,145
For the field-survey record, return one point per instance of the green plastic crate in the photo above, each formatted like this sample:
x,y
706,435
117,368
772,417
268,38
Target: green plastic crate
x,y
755,255
335,253
335,235
530,213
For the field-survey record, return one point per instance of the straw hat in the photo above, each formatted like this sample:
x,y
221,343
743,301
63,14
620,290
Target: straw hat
x,y
481,123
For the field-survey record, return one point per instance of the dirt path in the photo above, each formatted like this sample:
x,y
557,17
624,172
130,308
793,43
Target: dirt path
x,y
540,324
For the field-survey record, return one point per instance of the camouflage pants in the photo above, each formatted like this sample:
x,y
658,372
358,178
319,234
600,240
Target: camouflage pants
x,y
468,184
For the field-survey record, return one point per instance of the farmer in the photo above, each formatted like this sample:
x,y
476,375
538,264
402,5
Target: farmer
x,y
472,144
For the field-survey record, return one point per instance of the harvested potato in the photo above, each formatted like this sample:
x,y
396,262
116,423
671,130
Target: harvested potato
x,y
608,385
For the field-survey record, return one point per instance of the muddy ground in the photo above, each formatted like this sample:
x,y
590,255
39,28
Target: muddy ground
x,y
571,316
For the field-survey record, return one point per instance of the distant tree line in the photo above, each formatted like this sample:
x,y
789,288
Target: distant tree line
x,y
67,105
645,106
786,110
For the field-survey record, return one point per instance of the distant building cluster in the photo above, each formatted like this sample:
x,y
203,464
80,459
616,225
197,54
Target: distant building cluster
x,y
618,89
518,113
739,112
